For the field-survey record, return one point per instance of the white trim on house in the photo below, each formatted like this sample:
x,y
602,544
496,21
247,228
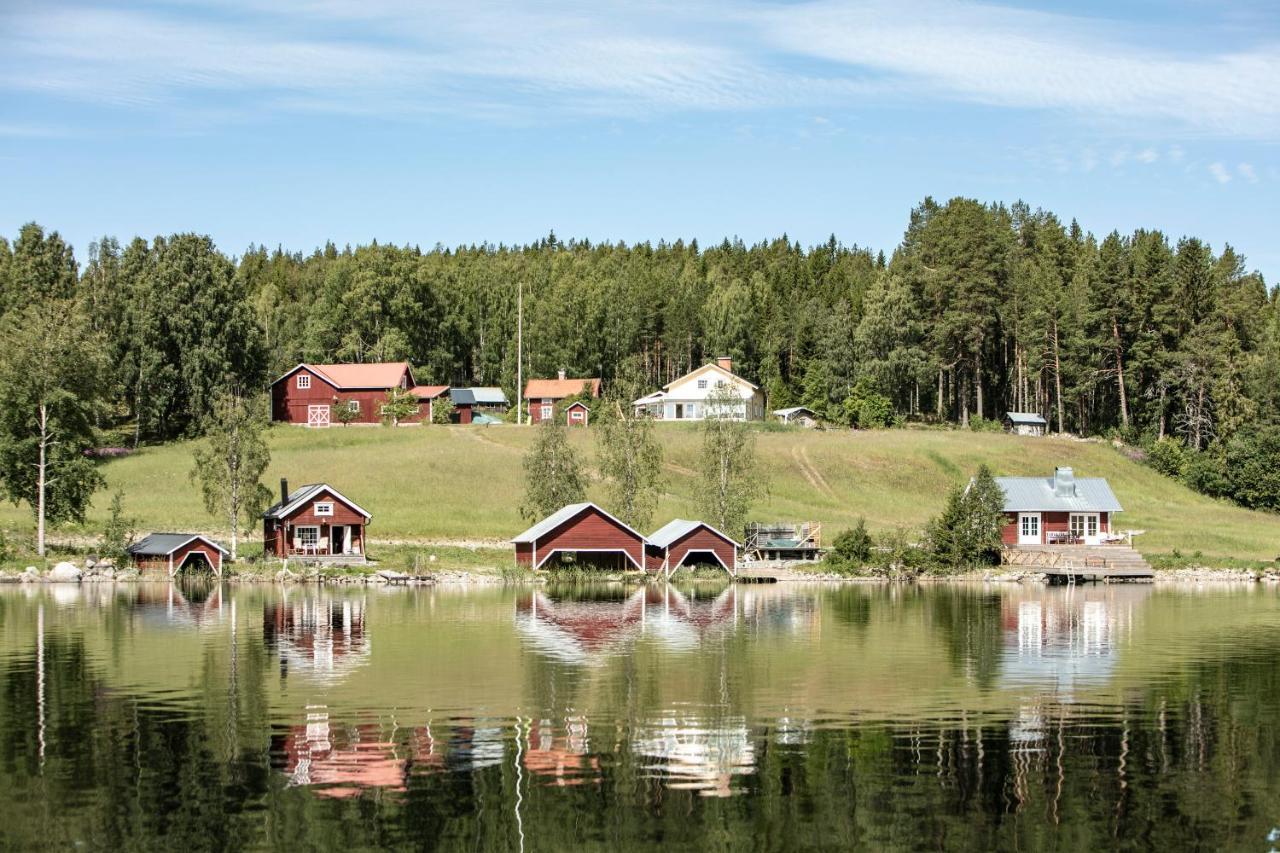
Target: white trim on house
x,y
1028,521
685,399
539,564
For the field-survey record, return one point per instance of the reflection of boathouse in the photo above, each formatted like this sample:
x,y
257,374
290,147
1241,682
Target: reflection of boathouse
x,y
316,634
697,755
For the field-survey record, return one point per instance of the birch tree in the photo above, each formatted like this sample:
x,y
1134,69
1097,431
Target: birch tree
x,y
628,453
50,388
230,462
553,473
729,480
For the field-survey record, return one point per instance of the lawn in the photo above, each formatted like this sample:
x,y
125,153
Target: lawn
x,y
462,485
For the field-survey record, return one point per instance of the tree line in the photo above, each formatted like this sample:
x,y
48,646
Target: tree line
x,y
980,309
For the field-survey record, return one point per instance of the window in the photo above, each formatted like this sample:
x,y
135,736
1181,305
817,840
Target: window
x,y
720,383
702,384
354,404
546,412
308,537
576,414
1083,526
324,508
304,381
691,410
1030,526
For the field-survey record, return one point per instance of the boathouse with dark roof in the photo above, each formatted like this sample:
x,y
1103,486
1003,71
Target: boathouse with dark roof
x,y
682,542
174,552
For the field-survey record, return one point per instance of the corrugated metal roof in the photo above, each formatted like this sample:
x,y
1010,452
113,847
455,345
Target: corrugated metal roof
x,y
164,544
676,529
560,516
1029,418
304,493
490,396
1036,494
462,397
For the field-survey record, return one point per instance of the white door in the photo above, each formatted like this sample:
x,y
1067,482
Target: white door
x,y
1084,527
317,416
1028,528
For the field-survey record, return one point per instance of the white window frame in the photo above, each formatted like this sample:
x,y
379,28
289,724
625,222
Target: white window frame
x,y
304,381
355,405
702,384
1090,524
546,412
575,414
308,528
323,509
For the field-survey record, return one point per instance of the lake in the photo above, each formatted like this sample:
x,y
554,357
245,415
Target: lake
x,y
783,717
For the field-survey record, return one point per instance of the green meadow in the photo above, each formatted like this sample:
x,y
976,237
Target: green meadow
x,y
463,484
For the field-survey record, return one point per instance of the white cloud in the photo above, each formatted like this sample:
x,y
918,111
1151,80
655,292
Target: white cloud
x,y
1247,172
510,60
1220,173
1148,156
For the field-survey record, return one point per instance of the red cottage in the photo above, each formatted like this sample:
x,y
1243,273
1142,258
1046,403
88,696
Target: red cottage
x,y
681,542
427,396
173,552
592,535
308,393
316,522
1058,510
542,395
577,414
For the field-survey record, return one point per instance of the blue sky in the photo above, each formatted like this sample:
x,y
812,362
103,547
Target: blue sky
x,y
295,121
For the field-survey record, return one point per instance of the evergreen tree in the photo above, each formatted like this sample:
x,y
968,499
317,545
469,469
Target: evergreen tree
x,y
967,533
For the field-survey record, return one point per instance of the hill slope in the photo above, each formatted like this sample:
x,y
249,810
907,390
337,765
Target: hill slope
x,y
465,483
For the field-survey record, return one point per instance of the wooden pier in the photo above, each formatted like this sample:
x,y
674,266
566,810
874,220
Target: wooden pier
x,y
1081,563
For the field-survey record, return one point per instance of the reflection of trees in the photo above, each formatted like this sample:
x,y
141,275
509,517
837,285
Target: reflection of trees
x,y
969,622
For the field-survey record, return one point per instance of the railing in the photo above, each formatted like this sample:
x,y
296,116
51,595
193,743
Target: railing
x,y
1037,559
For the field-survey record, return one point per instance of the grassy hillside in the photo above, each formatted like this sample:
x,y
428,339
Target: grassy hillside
x,y
439,483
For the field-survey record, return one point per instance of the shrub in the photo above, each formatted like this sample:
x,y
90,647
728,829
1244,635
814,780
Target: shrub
x,y
1168,456
442,409
985,425
867,408
853,545
346,411
967,533
117,534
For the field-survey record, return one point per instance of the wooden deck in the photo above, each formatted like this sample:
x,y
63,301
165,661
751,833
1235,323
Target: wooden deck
x,y
1076,563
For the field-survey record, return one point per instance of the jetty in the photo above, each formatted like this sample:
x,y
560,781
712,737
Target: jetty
x,y
1078,563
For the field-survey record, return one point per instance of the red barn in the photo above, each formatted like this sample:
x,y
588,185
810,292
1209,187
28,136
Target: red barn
x,y
681,541
316,522
1058,510
542,395
427,396
308,393
592,535
173,552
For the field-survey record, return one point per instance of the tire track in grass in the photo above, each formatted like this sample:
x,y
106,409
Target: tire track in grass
x,y
810,472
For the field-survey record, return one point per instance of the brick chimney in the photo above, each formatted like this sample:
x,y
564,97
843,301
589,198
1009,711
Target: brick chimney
x,y
562,374
725,362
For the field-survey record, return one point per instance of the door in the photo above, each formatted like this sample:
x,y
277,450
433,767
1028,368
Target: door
x,y
679,411
317,416
1028,528
1084,527
338,539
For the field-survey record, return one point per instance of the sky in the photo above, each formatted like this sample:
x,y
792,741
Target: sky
x,y
294,122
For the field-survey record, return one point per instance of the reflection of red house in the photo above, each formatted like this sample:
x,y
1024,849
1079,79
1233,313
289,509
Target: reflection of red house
x,y
324,636
344,760
585,531
564,757
682,542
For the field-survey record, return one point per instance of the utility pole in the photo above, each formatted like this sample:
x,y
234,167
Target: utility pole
x,y
520,353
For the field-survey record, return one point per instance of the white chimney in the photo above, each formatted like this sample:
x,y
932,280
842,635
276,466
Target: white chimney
x,y
562,374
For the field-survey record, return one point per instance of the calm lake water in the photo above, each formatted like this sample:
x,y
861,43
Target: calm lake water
x,y
602,718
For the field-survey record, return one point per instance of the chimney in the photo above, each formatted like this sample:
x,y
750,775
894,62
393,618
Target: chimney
x,y
562,374
1064,482
284,490
724,362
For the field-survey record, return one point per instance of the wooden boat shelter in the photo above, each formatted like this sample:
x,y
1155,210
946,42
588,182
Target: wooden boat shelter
x,y
587,533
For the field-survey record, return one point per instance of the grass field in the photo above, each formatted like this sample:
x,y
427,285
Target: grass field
x,y
465,483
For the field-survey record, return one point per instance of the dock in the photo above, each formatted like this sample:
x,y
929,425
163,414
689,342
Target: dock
x,y
1081,563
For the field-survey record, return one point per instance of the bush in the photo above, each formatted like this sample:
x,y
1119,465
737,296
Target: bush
x,y
853,545
442,409
985,425
900,555
967,533
1168,456
1206,472
117,534
867,408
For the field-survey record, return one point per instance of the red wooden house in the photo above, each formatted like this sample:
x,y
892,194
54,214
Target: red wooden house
x,y
577,414
172,552
590,534
541,396
1058,510
309,393
315,522
681,542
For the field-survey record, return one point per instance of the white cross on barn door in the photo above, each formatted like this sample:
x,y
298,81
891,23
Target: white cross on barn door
x,y
317,416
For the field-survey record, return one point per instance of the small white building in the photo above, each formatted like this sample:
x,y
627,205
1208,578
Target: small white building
x,y
686,399
1025,423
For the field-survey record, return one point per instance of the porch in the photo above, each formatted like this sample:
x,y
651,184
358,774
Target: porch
x,y
326,542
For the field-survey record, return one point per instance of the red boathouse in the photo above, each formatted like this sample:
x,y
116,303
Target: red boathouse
x,y
584,530
315,522
681,542
173,552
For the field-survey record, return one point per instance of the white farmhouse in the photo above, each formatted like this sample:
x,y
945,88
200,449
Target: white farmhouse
x,y
685,399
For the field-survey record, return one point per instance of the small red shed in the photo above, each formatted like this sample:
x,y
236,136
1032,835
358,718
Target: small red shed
x,y
682,541
592,535
577,414
315,522
173,552
426,396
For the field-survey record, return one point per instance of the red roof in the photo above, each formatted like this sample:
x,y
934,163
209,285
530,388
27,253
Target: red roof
x,y
377,374
558,389
429,392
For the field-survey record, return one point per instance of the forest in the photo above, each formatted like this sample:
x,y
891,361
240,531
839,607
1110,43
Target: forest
x,y
980,309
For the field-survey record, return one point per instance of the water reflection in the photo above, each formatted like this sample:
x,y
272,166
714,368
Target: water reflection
x,y
811,717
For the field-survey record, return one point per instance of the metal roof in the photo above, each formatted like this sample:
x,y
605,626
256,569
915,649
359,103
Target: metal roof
x,y
567,513
490,396
302,494
1037,494
786,413
676,529
1029,418
462,397
164,544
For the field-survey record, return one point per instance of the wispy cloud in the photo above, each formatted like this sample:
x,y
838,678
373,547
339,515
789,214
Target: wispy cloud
x,y
503,59
1246,171
1220,173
